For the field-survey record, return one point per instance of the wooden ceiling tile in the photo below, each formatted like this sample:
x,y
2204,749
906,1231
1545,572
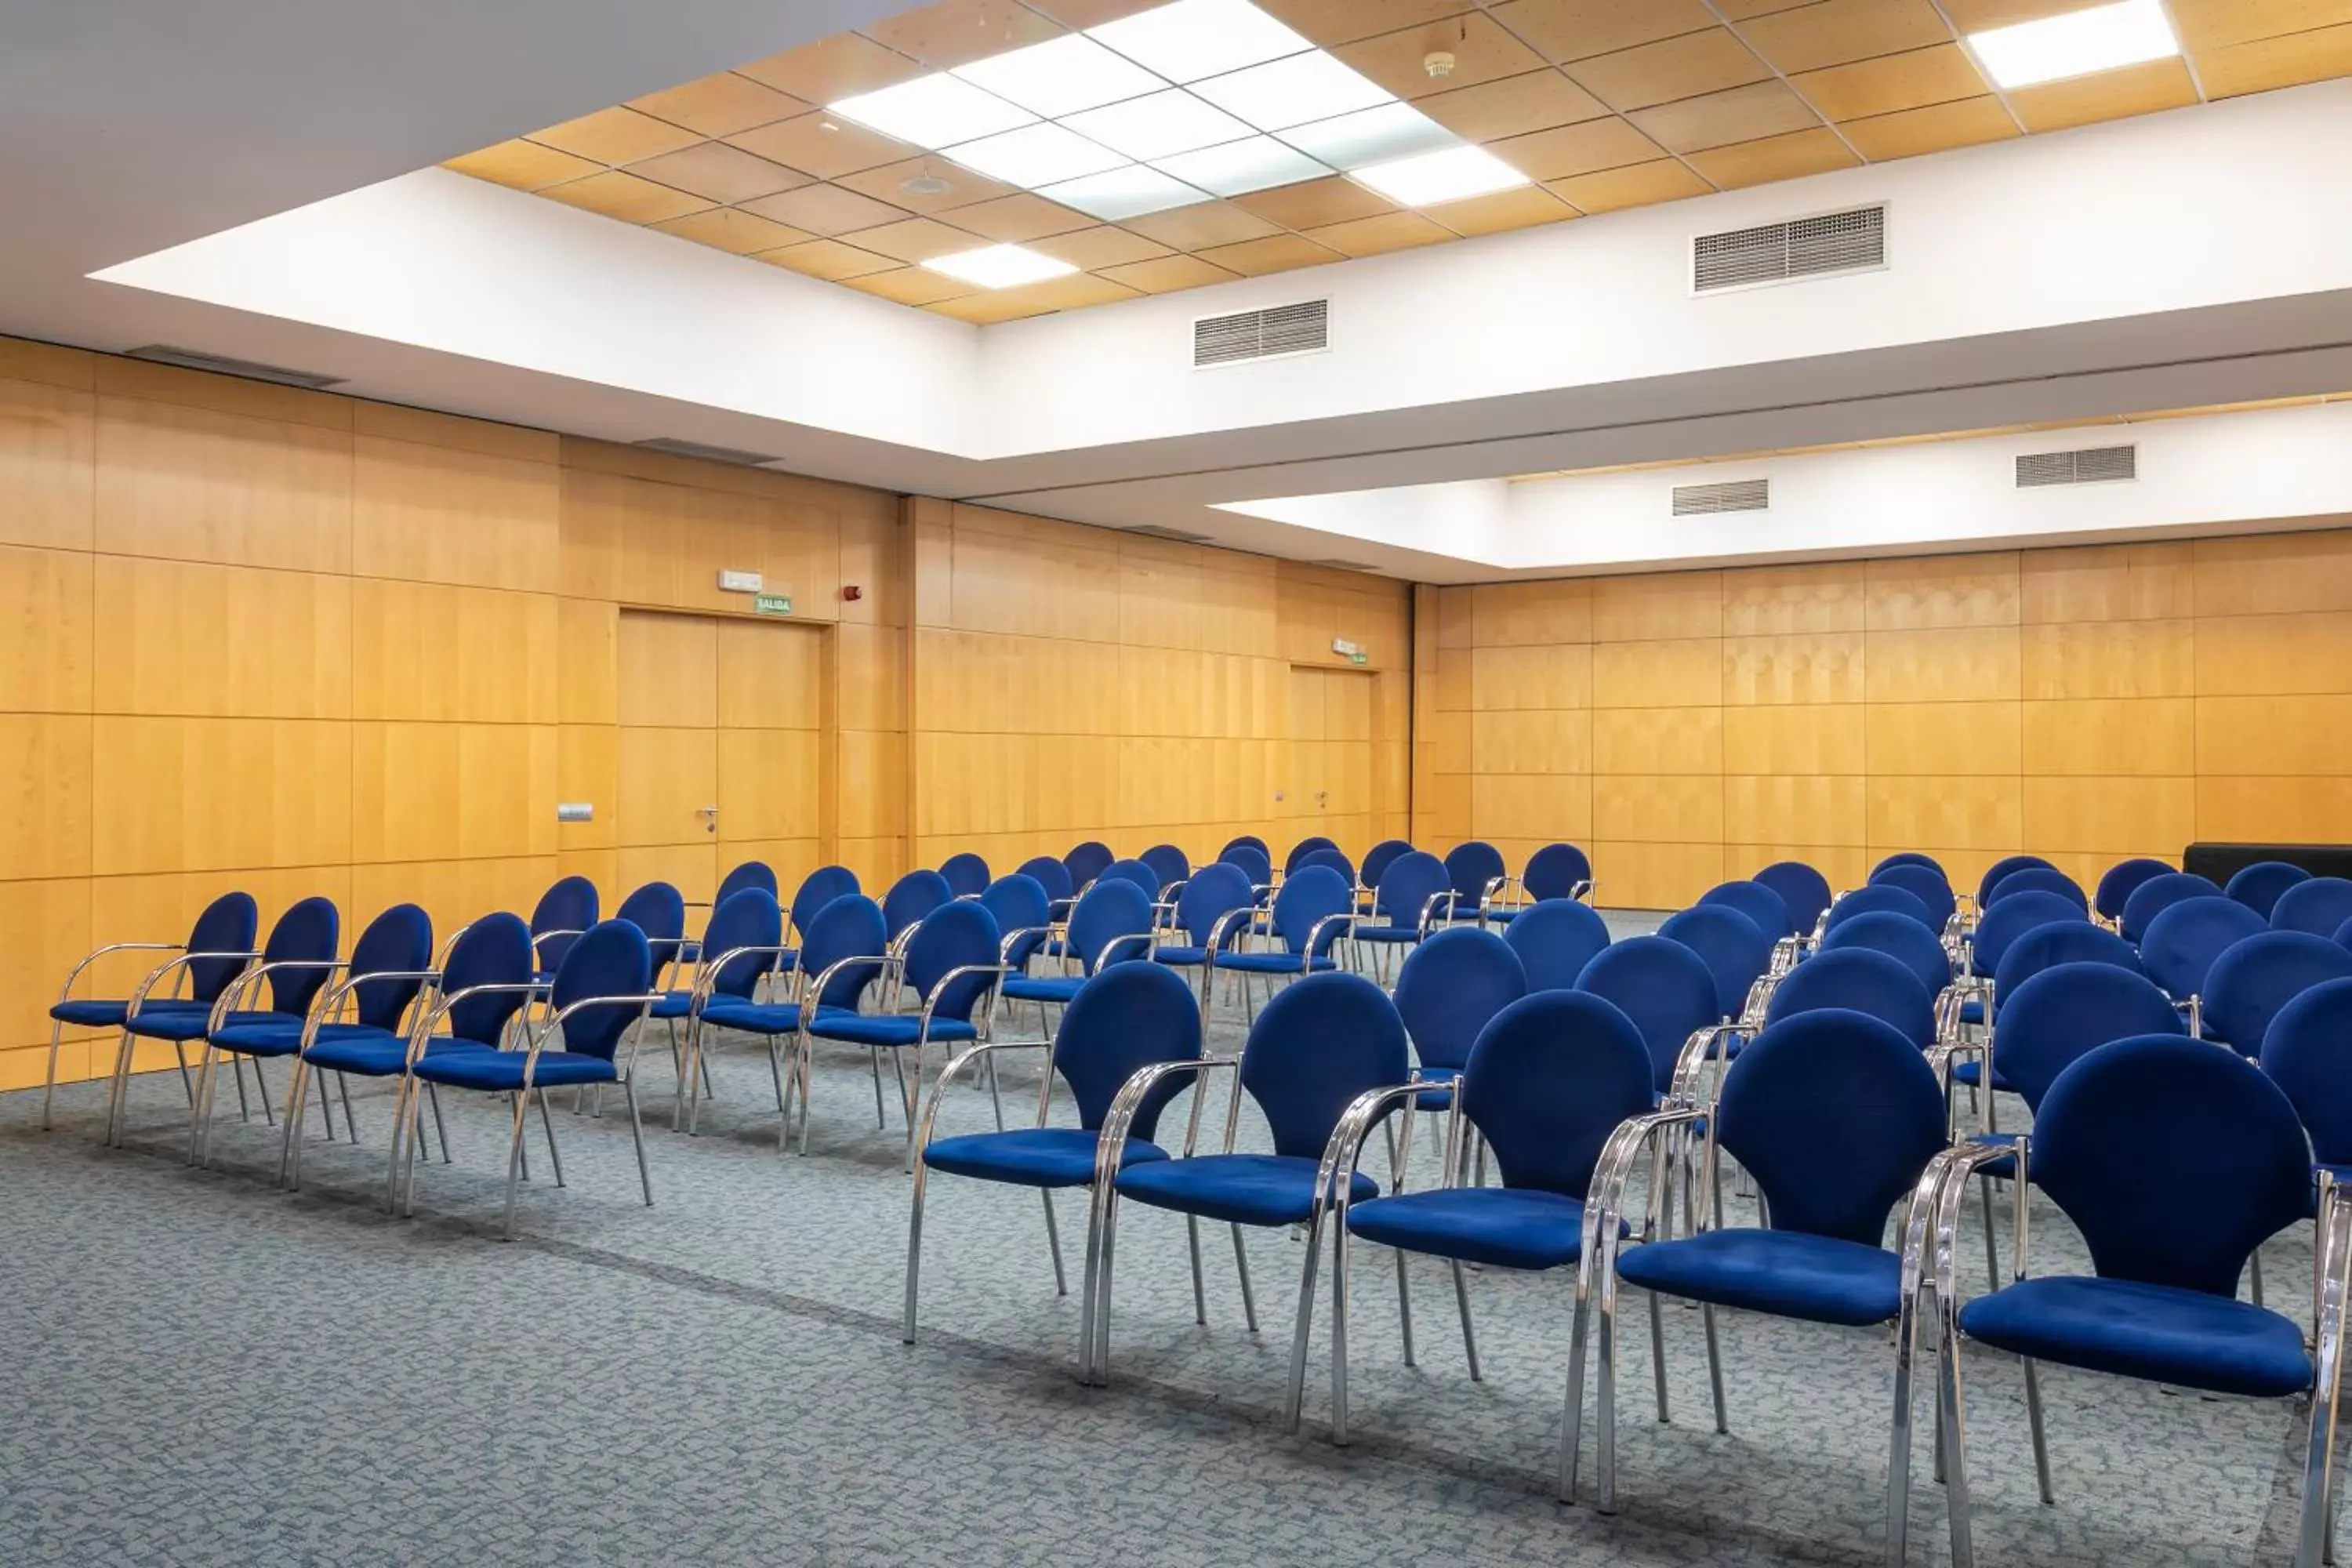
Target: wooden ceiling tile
x,y
1636,185
1315,202
733,229
1832,32
2109,95
625,196
1329,22
615,136
1276,253
721,105
1788,157
1976,16
1073,292
825,210
828,258
1719,119
1168,274
723,173
1532,101
1931,129
1567,151
1017,219
524,166
958,32
826,147
887,184
1524,207
832,68
914,239
1481,50
1743,10
1076,14
911,286
1096,249
1943,74
2208,24
2270,63
1378,235
1201,226
1677,68
1574,29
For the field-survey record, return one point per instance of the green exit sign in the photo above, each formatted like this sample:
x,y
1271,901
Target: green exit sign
x,y
772,604
1359,658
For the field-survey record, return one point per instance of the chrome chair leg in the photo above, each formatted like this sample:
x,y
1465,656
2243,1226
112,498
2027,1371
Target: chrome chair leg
x,y
1898,1460
407,1088
776,1076
1102,1292
440,1128
1992,1256
237,1069
1469,1335
1241,1267
1305,1325
1404,1307
2254,1275
2041,1441
915,1250
1339,1332
261,1092
910,1093
1571,1427
1199,1291
514,1160
1714,1365
1053,1242
873,1059
49,1087
636,1136
291,1134
548,1121
1951,1418
326,1116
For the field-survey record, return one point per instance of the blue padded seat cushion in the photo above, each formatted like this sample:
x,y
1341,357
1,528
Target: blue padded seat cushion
x,y
1788,1273
489,1069
1032,1156
188,1023
1969,1071
2157,1332
99,1011
762,1017
1042,987
1510,1228
1181,955
1242,1189
283,1036
1386,934
1973,1010
887,1028
377,1054
1275,962
673,1005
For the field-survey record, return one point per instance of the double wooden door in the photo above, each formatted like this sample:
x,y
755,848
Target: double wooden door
x,y
1328,786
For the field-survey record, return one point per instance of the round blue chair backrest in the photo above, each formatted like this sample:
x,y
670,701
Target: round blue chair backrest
x,y
1380,857
1555,939
2126,1136
1322,1041
1129,1017
2180,944
1881,897
1860,981
851,927
1900,938
493,951
1019,903
1167,862
229,924
1665,988
2122,879
1923,883
1113,908
822,886
2056,1018
309,932
1759,903
748,917
1804,890
1556,871
658,909
569,904
1836,1114
1254,864
1309,896
2258,886
2158,894
2059,942
1405,888
1302,850
1049,874
2319,906
1547,1080
2255,976
2308,1053
2002,867
1472,868
1247,841
1330,860
2039,879
912,897
750,874
957,935
1088,861
967,874
2012,918
1137,871
399,941
1735,948
1215,890
1909,857
1450,985
613,959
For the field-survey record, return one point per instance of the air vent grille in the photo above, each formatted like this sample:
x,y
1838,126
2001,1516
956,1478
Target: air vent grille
x,y
1180,535
1731,495
1828,243
251,370
2087,466
1279,330
677,446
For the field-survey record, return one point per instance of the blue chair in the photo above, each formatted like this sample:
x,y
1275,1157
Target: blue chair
x,y
1882,897
1857,980
603,985
298,961
1413,896
2156,895
1254,864
2056,942
843,950
820,888
1314,907
2319,905
1025,913
1447,990
1900,938
1813,1081
1051,875
1804,890
1126,1019
1379,858
1138,872
741,946
1759,903
1737,950
967,875
2039,879
1212,914
563,914
1112,925
2255,976
1478,876
911,898
1315,1047
1330,859
389,969
2121,881
2307,1052
2258,886
1249,841
1169,865
1302,850
1558,871
1909,857
1087,861
658,909
2174,1161
950,963
2179,946
1666,989
1548,1079
750,874
2010,918
1925,884
2002,867
1555,939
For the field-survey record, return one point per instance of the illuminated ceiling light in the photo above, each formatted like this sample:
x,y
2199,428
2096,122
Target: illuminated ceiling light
x,y
1158,126
1239,167
1035,156
2075,43
1194,38
1123,194
1434,177
1061,77
1000,266
1292,91
1379,135
932,111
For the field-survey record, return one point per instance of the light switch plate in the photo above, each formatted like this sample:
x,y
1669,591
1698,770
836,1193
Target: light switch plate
x,y
575,811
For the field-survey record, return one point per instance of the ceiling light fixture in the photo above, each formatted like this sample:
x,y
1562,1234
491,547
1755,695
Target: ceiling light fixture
x,y
1292,91
1381,135
1196,38
2075,43
1063,77
1035,156
1453,176
1237,168
1123,194
932,111
1000,266
1158,126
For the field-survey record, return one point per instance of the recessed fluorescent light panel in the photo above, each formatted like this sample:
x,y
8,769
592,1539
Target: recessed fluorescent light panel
x,y
1069,74
1123,194
1037,155
1159,125
933,112
1239,167
2075,43
1000,266
1196,38
1292,91
1379,135
1432,178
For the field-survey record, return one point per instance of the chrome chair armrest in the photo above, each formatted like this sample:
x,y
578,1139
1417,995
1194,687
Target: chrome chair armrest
x,y
1345,1149
65,993
883,965
2193,1007
546,936
553,1024
1429,911
956,1065
1945,1186
1494,889
706,974
1604,1200
1150,940
1006,943
431,1015
1222,932
1784,955
249,980
952,976
332,1001
1130,1100
1582,892
139,997
1758,998
1701,1050
1315,937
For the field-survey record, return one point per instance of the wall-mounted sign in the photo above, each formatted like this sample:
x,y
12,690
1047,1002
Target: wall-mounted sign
x,y
741,581
1352,652
772,605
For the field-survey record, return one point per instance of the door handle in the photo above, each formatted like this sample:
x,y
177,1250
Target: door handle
x,y
709,814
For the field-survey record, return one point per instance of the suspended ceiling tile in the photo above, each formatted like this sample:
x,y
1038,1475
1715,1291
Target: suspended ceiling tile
x,y
2109,95
829,260
721,105
889,183
914,239
1073,292
2269,63
1677,68
523,165
826,147
1378,235
626,197
1833,32
2208,24
1567,151
720,173
1636,185
1169,274
1079,14
1329,22
1095,249
1481,50
733,229
1276,253
1976,16
1788,157
615,136
1943,74
1532,101
1018,219
832,68
1315,202
911,286
1718,119
1201,226
825,210
1742,10
1935,128
957,32
1524,207
1574,29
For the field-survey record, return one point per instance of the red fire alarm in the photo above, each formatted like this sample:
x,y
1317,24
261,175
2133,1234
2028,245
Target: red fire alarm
x,y
852,593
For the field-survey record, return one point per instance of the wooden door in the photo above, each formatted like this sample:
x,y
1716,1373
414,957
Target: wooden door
x,y
1328,789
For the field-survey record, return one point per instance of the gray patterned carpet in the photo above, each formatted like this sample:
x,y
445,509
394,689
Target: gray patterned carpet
x,y
199,1370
